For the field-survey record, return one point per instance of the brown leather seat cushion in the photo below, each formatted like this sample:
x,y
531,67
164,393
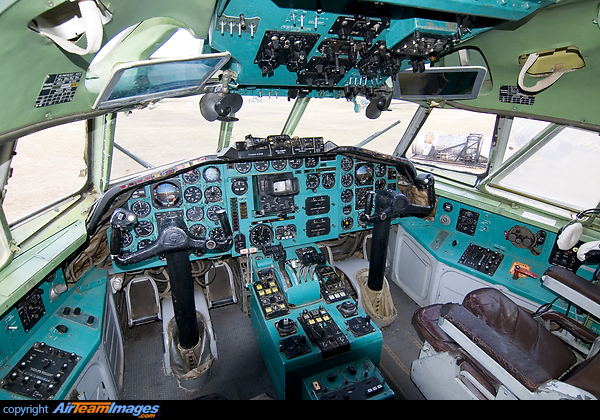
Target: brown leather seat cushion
x,y
516,362
425,320
517,326
587,375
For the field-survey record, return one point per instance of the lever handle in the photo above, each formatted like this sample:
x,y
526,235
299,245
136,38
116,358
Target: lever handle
x,y
369,203
521,270
224,221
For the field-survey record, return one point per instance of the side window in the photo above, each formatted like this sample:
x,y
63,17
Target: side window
x,y
521,133
49,165
454,140
551,170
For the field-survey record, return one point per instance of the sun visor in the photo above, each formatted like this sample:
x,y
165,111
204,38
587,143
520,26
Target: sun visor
x,y
549,65
67,22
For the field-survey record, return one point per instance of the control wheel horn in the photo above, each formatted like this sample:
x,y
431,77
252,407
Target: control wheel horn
x,y
173,236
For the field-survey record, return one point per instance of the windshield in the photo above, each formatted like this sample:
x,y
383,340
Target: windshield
x,y
175,130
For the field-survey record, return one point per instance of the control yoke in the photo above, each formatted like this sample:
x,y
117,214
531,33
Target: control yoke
x,y
173,236
390,204
174,242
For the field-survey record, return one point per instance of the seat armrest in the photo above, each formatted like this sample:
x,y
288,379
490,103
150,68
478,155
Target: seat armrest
x,y
511,366
584,334
573,287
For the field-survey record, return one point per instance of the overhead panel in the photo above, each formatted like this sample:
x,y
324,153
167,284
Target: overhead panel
x,y
346,47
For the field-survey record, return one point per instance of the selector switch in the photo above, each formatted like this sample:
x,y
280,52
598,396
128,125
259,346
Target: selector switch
x,y
286,326
41,372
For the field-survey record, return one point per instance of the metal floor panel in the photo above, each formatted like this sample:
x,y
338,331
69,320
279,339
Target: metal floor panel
x,y
239,372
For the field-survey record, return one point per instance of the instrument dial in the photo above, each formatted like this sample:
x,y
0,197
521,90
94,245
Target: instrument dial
x,y
213,194
295,163
143,228
191,177
212,174
198,231
141,208
380,169
311,162
211,213
328,181
347,180
261,235
243,167
239,186
279,164
126,239
192,194
261,165
312,181
347,196
195,214
166,194
347,223
347,164
217,234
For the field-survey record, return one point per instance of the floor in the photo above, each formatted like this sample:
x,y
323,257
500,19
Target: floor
x,y
239,372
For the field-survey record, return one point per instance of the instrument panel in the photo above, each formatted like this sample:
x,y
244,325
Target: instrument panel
x,y
290,200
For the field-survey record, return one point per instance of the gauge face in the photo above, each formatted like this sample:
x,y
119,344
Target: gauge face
x,y
261,165
380,184
347,180
347,164
191,177
212,174
143,228
211,213
194,214
243,167
261,235
364,174
279,164
166,194
126,239
328,181
192,194
347,223
347,196
141,208
217,234
198,231
295,163
380,169
311,162
239,186
312,181
213,194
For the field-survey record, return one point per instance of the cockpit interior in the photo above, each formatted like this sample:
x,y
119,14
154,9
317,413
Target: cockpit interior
x,y
298,200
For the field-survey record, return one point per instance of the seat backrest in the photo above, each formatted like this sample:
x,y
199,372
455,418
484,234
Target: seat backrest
x,y
516,325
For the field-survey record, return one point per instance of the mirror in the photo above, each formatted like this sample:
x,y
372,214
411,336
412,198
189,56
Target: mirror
x,y
449,83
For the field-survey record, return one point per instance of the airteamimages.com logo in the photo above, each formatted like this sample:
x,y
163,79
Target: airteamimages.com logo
x,y
142,411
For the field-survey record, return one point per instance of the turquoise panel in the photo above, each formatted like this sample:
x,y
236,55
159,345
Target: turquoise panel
x,y
70,324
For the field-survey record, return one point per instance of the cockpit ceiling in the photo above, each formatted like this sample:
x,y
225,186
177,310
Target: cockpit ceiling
x,y
334,48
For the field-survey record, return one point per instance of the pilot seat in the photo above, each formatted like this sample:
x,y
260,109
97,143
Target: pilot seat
x,y
488,347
